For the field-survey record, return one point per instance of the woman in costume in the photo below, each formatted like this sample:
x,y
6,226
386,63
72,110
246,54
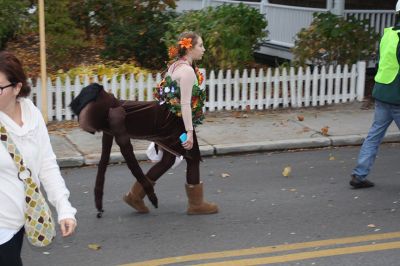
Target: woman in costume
x,y
181,101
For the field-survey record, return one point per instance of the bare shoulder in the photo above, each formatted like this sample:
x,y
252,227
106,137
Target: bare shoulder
x,y
185,70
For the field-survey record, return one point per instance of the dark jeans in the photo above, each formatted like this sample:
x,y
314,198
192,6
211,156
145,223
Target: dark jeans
x,y
10,252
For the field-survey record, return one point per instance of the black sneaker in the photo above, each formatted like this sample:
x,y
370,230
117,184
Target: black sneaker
x,y
355,182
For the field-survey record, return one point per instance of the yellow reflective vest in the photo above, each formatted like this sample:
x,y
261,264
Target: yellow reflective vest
x,y
388,64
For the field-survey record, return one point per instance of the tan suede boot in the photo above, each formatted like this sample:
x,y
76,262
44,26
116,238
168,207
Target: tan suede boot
x,y
196,203
134,198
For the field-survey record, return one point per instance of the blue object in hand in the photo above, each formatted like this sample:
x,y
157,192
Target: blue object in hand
x,y
183,137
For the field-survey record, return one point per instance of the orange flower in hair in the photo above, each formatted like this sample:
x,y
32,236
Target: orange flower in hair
x,y
172,52
185,43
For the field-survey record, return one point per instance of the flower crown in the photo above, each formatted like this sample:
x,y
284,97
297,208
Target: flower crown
x,y
184,43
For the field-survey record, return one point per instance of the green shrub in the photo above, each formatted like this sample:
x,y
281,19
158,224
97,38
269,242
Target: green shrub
x,y
230,33
333,40
62,35
140,39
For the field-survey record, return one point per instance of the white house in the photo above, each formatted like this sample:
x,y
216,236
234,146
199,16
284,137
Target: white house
x,y
285,21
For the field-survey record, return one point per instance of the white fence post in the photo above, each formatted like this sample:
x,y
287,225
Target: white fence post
x,y
211,92
330,84
124,95
353,76
307,87
228,86
300,79
314,92
68,94
245,80
322,86
285,93
268,88
260,90
59,101
220,91
338,75
292,79
276,88
252,89
361,67
345,83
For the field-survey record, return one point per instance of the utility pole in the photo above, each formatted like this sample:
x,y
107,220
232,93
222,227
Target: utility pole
x,y
43,67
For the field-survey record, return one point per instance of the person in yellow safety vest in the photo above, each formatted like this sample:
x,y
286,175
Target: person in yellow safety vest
x,y
386,93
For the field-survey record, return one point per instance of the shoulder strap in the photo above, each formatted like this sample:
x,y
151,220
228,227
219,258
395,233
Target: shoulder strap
x,y
11,148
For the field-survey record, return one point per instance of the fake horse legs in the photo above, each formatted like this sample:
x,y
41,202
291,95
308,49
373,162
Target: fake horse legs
x,y
134,197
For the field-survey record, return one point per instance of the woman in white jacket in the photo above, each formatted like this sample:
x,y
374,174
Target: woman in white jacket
x,y
25,125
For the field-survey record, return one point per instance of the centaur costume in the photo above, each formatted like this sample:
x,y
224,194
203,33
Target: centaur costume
x,y
158,121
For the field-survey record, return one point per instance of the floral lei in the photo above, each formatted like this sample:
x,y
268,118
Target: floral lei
x,y
168,92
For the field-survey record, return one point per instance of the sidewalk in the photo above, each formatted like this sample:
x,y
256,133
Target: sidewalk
x,y
239,132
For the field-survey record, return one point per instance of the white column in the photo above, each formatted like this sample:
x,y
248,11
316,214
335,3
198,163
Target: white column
x,y
263,6
329,5
338,7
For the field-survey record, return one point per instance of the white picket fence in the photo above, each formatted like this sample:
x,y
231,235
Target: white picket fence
x,y
227,90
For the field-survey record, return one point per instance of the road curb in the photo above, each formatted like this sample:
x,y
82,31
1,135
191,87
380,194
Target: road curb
x,y
250,147
221,149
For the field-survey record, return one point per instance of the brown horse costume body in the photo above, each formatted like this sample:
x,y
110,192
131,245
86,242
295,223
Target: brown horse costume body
x,y
123,120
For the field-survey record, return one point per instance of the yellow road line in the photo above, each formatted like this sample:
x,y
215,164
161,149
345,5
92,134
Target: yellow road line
x,y
268,249
307,255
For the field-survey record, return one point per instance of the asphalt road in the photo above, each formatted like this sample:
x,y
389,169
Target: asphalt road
x,y
311,217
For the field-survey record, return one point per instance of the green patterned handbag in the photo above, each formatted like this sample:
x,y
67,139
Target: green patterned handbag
x,y
39,224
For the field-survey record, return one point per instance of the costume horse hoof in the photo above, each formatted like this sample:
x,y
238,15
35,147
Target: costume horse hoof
x,y
153,199
99,213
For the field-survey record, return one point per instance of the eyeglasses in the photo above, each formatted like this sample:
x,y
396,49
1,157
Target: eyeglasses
x,y
2,88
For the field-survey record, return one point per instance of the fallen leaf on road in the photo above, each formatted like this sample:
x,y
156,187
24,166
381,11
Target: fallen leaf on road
x,y
286,171
324,131
300,118
225,175
94,246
